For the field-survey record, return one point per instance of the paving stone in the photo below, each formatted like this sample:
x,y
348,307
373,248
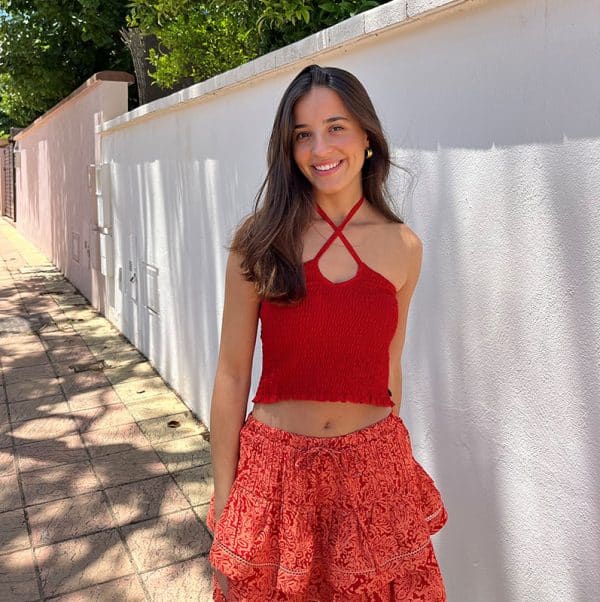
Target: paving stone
x,y
184,453
38,304
39,429
129,372
10,494
53,452
13,531
37,357
14,375
110,345
18,582
78,563
67,480
96,325
125,589
33,389
10,347
93,338
66,355
7,462
13,341
146,499
122,358
62,286
158,429
83,381
128,466
196,483
91,365
115,439
201,512
187,580
82,314
134,391
3,412
170,538
93,399
6,438
68,518
103,417
54,405
57,340
156,407
65,301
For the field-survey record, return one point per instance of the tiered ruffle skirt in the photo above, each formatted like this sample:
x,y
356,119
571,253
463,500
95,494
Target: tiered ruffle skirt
x,y
328,519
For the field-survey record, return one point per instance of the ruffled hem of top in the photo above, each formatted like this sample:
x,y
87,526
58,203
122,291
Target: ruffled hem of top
x,y
369,399
256,541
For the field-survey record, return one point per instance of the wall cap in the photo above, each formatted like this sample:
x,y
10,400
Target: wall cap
x,y
86,86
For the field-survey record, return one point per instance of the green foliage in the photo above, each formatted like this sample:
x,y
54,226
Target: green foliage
x,y
196,39
201,39
285,21
47,49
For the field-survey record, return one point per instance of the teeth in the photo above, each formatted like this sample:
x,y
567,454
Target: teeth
x,y
327,167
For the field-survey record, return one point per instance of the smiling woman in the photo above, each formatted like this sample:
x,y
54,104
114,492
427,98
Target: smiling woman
x,y
317,494
329,146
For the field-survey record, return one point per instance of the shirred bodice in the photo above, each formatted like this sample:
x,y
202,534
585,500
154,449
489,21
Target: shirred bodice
x,y
333,345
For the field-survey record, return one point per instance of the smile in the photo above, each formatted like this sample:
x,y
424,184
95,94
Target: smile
x,y
325,168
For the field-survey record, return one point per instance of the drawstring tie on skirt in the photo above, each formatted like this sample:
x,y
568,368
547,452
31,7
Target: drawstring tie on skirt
x,y
320,452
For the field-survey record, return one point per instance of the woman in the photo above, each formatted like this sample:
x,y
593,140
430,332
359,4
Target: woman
x,y
317,494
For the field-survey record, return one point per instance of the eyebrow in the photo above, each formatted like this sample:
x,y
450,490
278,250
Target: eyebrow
x,y
328,120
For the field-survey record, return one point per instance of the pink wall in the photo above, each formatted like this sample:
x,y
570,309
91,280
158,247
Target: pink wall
x,y
56,201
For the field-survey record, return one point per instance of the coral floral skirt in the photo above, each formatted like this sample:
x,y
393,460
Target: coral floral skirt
x,y
320,519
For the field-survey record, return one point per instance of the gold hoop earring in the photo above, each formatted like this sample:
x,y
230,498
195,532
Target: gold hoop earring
x,y
368,153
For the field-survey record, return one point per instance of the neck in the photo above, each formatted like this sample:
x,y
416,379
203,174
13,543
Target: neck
x,y
337,207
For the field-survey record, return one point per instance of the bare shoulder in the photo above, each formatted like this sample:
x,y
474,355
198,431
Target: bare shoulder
x,y
412,251
409,239
236,283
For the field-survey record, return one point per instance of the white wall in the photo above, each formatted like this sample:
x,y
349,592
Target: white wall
x,y
494,106
56,199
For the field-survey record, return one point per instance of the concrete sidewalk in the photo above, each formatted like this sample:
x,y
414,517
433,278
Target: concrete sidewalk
x,y
105,475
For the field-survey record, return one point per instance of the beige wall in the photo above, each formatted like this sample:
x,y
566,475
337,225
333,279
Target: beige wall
x,y
56,199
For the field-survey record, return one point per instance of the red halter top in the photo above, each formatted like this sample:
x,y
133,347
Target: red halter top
x,y
334,344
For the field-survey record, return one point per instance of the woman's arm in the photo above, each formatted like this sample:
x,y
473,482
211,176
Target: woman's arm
x,y
412,253
232,378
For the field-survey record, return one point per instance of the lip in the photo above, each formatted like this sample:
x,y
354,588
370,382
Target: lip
x,y
329,171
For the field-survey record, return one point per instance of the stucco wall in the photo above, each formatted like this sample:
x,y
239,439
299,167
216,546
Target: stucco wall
x,y
494,107
56,199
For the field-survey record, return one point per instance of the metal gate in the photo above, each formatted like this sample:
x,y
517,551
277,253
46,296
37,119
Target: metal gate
x,y
7,164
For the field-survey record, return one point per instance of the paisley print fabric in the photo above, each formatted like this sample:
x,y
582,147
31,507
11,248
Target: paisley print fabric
x,y
345,518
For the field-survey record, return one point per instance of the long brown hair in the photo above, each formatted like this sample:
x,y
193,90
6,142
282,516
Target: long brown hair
x,y
269,240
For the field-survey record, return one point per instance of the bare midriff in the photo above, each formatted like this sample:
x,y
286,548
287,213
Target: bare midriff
x,y
319,418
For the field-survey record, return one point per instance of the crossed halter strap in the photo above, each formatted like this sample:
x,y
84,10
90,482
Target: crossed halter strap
x,y
337,230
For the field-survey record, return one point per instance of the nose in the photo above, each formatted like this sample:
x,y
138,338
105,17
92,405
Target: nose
x,y
320,146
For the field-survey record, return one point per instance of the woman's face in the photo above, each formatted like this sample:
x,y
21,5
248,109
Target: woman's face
x,y
329,145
